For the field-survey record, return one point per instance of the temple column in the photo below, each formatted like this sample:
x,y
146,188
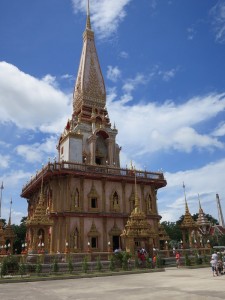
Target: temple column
x,y
82,193
110,145
92,143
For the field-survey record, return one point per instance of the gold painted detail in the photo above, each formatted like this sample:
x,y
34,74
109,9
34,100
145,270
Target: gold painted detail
x,y
93,232
114,202
115,230
163,236
188,221
40,216
93,199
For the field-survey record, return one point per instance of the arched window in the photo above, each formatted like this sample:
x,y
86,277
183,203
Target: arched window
x,y
114,202
149,203
41,236
76,239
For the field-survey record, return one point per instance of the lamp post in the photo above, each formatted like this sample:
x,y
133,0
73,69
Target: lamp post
x,y
181,244
22,248
25,247
67,245
109,246
43,250
8,250
39,247
89,247
195,242
2,187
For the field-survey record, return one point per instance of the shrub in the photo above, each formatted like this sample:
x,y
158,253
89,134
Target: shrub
x,y
85,265
158,261
70,265
9,265
187,260
149,262
112,265
31,268
99,265
55,266
125,258
38,267
22,269
118,259
136,262
205,259
198,259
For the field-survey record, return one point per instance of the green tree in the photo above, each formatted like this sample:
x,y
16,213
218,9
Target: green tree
x,y
3,221
173,230
20,231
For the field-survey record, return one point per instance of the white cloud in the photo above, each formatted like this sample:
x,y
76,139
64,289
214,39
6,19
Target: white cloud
x,y
38,152
220,130
218,14
31,103
50,80
105,15
149,128
113,73
124,54
4,161
206,181
191,33
67,76
131,83
167,75
14,178
13,182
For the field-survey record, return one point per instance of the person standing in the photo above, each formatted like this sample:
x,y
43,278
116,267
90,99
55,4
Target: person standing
x,y
213,263
178,259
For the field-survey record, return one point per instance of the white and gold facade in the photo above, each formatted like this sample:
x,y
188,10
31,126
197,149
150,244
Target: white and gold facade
x,y
83,200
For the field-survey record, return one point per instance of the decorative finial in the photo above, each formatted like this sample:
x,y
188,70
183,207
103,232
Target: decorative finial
x,y
185,199
10,212
88,22
199,202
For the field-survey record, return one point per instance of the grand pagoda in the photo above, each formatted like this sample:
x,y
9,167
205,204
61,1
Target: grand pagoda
x,y
84,200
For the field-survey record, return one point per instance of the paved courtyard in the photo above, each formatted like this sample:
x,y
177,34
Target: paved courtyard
x,y
171,284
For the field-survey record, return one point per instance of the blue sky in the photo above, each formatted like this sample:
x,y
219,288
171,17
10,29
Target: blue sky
x,y
164,67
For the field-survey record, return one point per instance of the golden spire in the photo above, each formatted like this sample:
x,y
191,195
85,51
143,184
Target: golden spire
x,y
89,89
185,199
10,213
188,221
200,207
88,22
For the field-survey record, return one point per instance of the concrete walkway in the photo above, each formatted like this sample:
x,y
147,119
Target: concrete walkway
x,y
171,284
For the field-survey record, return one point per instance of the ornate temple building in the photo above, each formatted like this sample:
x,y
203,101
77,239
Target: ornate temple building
x,y
7,235
197,233
84,201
